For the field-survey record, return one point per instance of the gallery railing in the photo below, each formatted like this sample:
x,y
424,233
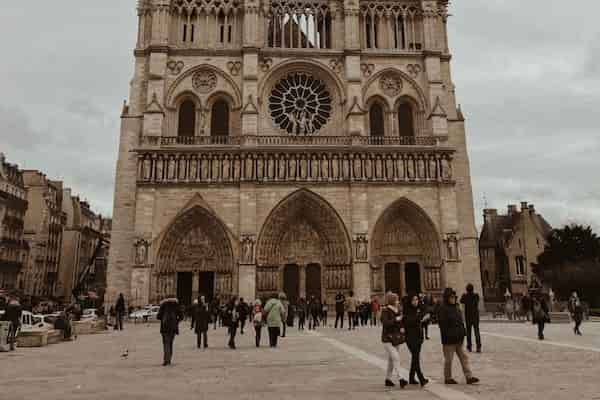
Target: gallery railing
x,y
289,141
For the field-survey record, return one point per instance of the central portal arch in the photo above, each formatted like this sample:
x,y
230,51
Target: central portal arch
x,y
195,257
304,248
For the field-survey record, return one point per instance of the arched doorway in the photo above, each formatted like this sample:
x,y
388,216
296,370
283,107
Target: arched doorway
x,y
195,258
305,231
405,251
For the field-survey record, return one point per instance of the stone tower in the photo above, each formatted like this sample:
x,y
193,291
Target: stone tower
x,y
311,147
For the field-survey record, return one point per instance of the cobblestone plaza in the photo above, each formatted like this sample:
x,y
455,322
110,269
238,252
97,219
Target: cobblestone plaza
x,y
328,364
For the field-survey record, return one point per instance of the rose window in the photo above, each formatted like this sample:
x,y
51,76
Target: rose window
x,y
300,104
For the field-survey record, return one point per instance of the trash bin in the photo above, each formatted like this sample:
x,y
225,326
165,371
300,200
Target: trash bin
x,y
4,327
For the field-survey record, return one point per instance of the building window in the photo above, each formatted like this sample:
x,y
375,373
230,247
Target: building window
x,y
187,119
219,123
520,262
376,122
405,120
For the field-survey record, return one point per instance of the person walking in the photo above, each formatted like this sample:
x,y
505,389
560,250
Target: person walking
x,y
201,320
286,311
214,311
275,316
12,314
302,311
540,314
258,320
351,309
427,307
412,321
526,306
340,302
452,332
315,311
232,320
120,311
324,311
470,301
375,310
509,308
576,310
242,310
392,336
169,315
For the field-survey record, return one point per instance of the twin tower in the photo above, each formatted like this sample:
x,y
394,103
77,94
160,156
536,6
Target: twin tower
x,y
311,147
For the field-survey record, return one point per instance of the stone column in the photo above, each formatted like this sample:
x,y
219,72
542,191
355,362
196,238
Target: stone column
x,y
248,237
195,285
302,288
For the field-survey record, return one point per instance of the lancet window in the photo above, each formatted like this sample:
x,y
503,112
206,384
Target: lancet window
x,y
203,23
301,24
389,25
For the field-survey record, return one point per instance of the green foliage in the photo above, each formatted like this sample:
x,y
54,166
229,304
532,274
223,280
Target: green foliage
x,y
571,262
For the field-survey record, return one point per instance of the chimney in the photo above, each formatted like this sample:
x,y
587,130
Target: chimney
x,y
512,209
524,206
489,216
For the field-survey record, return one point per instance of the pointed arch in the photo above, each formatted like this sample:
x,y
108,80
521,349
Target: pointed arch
x,y
403,229
195,241
308,209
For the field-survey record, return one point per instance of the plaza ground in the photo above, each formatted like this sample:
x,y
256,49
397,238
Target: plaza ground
x,y
328,364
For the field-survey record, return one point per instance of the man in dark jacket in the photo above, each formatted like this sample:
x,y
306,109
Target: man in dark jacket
x,y
452,331
201,318
340,300
169,315
470,300
243,310
120,311
13,315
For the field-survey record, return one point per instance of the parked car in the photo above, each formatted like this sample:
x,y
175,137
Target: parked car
x,y
89,314
147,313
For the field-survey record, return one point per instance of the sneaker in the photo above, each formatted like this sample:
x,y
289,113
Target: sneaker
x,y
389,383
424,382
403,383
450,382
413,382
469,349
472,380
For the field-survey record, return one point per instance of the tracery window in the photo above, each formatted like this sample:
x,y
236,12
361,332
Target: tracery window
x,y
206,22
304,24
187,119
300,104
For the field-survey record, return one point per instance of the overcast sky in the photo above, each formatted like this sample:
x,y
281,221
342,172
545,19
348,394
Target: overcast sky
x,y
527,74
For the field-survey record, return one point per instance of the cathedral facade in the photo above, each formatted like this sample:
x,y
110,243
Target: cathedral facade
x,y
310,147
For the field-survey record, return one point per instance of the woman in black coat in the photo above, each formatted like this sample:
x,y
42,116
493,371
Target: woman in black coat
x,y
201,318
413,321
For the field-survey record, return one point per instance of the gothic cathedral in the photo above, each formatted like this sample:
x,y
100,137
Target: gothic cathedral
x,y
307,146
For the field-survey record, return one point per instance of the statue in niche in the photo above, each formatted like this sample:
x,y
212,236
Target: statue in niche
x,y
248,250
271,168
159,169
446,169
375,277
281,167
368,163
260,167
346,168
314,167
378,167
432,168
361,243
421,168
226,167
324,167
357,168
410,168
216,168
452,246
236,168
141,252
389,168
147,169
249,168
303,167
335,168
292,167
204,169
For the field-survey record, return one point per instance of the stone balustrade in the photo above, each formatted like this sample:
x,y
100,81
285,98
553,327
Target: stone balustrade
x,y
160,141
202,166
